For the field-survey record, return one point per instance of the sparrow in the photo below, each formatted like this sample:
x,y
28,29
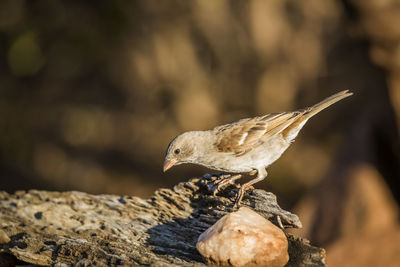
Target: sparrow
x,y
248,145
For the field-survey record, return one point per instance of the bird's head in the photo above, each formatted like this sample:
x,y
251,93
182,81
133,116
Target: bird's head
x,y
182,149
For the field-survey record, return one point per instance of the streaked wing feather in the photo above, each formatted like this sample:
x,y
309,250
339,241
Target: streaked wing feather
x,y
244,135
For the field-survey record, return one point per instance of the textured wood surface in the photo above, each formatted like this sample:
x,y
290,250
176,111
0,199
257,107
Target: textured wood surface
x,y
47,228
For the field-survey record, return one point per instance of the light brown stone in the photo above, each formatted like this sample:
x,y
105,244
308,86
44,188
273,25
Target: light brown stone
x,y
244,238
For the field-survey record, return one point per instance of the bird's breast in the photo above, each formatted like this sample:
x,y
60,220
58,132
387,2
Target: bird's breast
x,y
260,157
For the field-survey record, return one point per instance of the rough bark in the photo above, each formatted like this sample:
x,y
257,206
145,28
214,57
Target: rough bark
x,y
47,228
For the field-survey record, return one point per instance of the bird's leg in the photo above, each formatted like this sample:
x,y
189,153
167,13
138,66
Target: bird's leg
x,y
262,173
252,173
224,182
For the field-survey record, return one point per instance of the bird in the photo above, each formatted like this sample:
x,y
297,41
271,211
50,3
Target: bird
x,y
246,146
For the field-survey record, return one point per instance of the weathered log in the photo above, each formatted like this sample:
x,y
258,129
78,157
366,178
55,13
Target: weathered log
x,y
47,228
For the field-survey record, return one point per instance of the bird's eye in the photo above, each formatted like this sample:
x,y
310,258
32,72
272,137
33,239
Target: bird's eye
x,y
177,151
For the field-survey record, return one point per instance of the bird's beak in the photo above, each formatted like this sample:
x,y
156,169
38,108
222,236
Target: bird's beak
x,y
168,163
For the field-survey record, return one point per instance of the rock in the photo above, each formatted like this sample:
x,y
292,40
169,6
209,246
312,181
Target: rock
x,y
244,238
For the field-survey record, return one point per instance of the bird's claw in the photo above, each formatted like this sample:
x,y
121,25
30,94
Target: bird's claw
x,y
240,195
225,182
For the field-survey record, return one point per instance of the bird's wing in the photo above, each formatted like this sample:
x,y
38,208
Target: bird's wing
x,y
244,135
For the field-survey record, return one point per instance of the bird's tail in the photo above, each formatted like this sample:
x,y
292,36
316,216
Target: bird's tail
x,y
311,111
291,130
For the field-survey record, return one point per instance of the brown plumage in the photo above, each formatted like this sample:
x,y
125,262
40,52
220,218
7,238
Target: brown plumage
x,y
245,146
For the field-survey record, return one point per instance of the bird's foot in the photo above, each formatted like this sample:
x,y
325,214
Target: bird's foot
x,y
239,197
248,185
240,194
225,182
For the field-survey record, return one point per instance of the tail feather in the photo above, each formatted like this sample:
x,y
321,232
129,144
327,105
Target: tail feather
x,y
311,111
293,129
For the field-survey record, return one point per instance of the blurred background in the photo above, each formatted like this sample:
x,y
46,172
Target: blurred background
x,y
91,93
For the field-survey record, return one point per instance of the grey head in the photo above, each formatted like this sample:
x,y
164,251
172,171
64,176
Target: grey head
x,y
185,148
